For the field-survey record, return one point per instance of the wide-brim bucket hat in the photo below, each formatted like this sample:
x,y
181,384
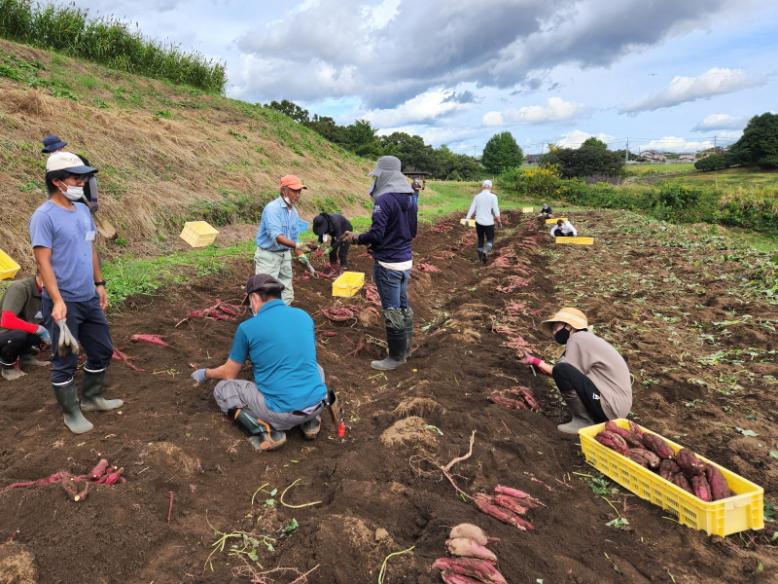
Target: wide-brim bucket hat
x,y
568,315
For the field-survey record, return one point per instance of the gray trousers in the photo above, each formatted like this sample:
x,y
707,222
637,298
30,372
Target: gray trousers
x,y
243,394
279,265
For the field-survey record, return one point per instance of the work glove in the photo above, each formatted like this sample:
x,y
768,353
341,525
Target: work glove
x,y
44,335
199,376
306,262
67,342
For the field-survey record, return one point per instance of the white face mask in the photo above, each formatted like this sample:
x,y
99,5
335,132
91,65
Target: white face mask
x,y
74,193
326,238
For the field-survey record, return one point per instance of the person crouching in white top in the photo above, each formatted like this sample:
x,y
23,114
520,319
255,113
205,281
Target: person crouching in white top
x,y
563,228
486,211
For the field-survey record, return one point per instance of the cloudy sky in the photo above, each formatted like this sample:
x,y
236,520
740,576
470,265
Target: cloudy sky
x,y
666,74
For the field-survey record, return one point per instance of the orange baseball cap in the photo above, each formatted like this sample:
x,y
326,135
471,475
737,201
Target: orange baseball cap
x,y
292,182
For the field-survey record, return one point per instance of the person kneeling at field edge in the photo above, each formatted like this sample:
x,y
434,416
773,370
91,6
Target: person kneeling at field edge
x,y
591,375
21,331
288,388
563,228
546,212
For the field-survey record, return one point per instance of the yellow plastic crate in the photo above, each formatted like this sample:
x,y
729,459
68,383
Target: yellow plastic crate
x,y
737,513
527,209
8,267
198,233
348,284
468,222
554,220
574,240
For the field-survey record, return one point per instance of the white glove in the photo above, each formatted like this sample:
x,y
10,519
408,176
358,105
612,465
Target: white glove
x,y
66,339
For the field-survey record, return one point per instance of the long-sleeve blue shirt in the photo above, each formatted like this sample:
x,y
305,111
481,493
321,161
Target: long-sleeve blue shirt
x,y
393,227
277,219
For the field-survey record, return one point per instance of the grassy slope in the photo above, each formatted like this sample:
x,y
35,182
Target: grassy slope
x,y
163,151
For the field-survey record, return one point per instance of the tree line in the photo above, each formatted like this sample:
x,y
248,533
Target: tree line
x,y
757,147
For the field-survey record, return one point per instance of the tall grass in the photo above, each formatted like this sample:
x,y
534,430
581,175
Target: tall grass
x,y
107,41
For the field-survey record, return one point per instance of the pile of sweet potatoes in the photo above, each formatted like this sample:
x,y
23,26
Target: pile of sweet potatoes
x,y
683,468
472,561
508,505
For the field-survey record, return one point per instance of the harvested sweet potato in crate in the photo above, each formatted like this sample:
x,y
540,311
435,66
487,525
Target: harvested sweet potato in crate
x,y
740,512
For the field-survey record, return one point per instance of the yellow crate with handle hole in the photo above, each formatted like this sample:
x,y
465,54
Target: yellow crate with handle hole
x,y
8,267
555,219
348,284
740,512
527,209
468,222
199,233
574,240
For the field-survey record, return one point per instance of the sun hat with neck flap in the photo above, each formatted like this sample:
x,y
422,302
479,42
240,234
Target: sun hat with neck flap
x,y
568,315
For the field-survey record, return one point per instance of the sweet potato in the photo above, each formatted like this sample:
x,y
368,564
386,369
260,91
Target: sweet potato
x,y
635,429
468,548
658,446
644,457
612,441
680,480
667,468
526,499
469,531
689,463
628,436
486,504
480,570
99,469
454,578
510,503
701,488
719,489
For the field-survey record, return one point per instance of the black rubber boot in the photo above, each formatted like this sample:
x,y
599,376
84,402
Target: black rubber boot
x,y
408,322
263,437
397,342
67,396
92,399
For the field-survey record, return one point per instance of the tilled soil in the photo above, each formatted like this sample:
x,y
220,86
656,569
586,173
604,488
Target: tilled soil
x,y
378,491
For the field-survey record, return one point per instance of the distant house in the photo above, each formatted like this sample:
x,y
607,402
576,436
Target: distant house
x,y
532,158
687,158
653,156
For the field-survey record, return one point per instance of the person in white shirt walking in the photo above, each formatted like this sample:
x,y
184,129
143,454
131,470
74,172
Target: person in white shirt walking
x,y
563,228
487,212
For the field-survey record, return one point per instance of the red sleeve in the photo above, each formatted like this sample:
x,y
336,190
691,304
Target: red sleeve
x,y
8,320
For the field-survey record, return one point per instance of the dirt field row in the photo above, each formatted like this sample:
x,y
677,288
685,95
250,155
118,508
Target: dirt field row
x,y
699,341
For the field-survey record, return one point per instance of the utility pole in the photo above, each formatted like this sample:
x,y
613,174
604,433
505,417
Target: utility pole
x,y
626,152
715,140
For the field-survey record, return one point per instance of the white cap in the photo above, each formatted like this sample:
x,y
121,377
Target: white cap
x,y
68,161
487,184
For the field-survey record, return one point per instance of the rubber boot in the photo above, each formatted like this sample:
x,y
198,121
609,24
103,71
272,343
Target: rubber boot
x,y
581,418
262,436
92,399
311,428
396,340
408,323
481,257
67,396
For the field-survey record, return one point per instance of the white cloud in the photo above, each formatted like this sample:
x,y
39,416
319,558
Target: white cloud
x,y
424,107
437,135
676,144
715,81
715,122
555,109
577,137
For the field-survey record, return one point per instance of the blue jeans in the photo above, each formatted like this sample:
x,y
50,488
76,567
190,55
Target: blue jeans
x,y
86,320
392,286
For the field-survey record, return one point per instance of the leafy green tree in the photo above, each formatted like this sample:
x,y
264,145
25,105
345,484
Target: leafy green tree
x,y
594,143
592,159
361,139
290,109
501,153
758,146
716,161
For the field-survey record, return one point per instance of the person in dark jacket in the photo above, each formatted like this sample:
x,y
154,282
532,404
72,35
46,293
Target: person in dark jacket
x,y
21,331
392,230
330,227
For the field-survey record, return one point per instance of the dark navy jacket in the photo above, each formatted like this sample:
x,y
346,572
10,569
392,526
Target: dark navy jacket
x,y
393,227
331,223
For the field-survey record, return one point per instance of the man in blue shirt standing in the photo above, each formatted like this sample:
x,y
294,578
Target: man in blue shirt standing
x,y
74,298
288,388
389,239
277,236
